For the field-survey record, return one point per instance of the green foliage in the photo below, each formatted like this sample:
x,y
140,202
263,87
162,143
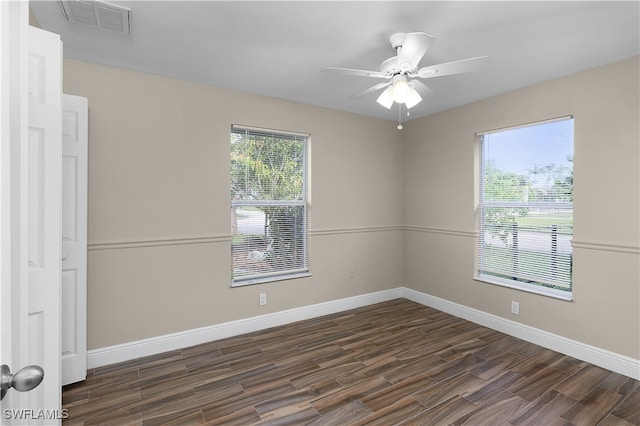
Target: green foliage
x,y
285,225
552,183
266,168
548,183
562,189
499,186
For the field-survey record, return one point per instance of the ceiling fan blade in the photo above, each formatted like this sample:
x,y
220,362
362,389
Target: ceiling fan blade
x,y
371,89
421,87
358,73
456,67
413,48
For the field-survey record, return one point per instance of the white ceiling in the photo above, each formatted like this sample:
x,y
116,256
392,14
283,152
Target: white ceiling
x,y
278,49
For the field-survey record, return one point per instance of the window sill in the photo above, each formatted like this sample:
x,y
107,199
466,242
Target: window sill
x,y
529,288
262,280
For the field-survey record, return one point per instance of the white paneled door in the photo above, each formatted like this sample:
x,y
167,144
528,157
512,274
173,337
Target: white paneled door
x,y
30,214
74,238
43,163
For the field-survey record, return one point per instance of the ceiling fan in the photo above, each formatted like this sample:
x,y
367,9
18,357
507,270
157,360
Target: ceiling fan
x,y
402,71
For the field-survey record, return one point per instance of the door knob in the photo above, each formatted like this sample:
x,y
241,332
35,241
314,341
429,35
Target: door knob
x,y
24,380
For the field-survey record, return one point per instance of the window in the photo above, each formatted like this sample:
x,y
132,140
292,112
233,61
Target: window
x,y
268,205
526,207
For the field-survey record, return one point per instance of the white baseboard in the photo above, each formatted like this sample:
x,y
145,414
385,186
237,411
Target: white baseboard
x,y
128,351
601,357
611,361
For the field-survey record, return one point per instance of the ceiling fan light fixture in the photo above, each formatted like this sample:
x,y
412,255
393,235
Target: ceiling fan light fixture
x,y
386,98
401,90
413,98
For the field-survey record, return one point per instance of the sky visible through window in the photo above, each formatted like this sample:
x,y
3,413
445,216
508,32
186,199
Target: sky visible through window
x,y
521,150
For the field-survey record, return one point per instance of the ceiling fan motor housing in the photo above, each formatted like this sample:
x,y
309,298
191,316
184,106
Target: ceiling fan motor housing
x,y
391,66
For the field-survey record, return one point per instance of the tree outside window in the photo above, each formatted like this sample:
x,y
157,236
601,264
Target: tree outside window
x,y
526,206
268,201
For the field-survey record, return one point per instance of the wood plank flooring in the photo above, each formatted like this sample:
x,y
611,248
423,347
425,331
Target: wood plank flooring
x,y
393,363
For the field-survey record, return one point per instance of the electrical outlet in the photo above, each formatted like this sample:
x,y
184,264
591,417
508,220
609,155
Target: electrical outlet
x,y
515,308
263,299
352,273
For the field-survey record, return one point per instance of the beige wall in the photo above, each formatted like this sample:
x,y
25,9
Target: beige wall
x,y
159,218
439,184
159,259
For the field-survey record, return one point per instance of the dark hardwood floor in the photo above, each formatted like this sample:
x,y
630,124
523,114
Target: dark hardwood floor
x,y
392,363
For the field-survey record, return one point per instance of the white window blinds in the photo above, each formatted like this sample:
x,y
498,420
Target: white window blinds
x,y
268,205
526,207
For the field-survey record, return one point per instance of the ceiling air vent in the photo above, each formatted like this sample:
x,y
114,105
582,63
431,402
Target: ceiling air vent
x,y
99,14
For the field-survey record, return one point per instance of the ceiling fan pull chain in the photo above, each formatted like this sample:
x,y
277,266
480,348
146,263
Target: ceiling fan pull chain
x,y
399,117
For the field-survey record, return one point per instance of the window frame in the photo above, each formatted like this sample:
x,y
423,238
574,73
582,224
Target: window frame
x,y
483,204
303,203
